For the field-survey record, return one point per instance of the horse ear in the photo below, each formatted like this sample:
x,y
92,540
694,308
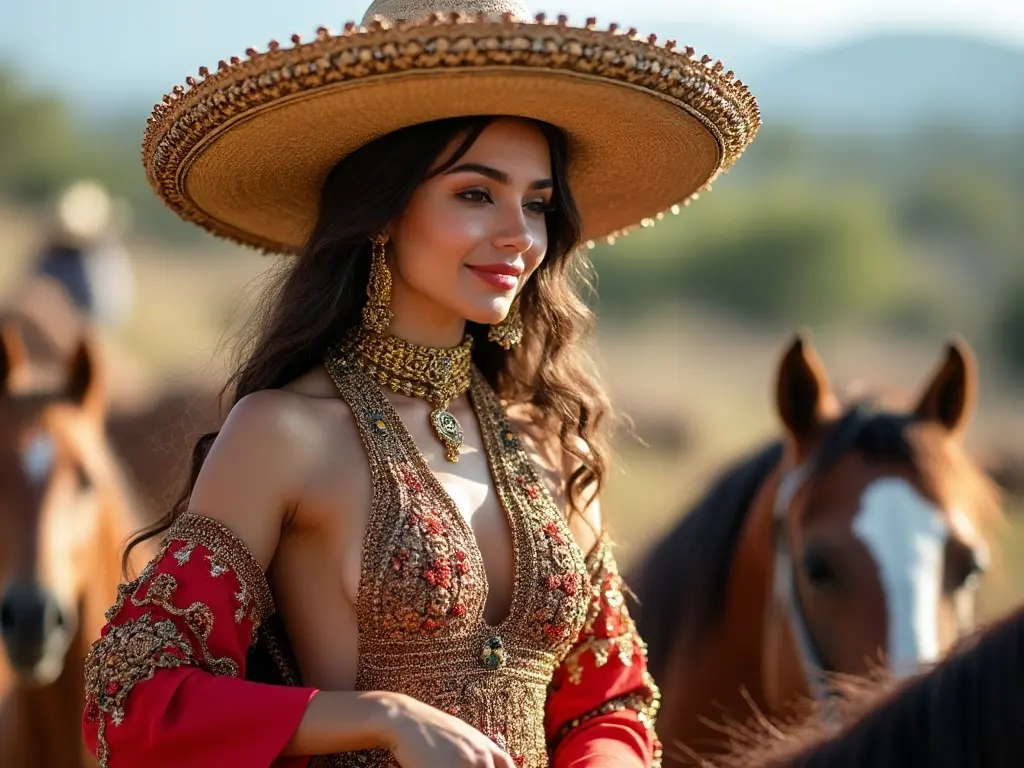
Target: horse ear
x,y
12,354
803,393
85,383
950,394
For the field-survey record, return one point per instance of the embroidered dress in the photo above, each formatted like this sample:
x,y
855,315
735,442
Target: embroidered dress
x,y
194,668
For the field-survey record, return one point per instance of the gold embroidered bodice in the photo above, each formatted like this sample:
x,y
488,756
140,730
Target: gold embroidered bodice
x,y
423,586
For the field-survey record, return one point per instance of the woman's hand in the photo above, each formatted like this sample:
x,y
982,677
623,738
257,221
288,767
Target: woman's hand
x,y
420,736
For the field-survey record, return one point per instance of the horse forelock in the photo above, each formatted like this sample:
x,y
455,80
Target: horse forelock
x,y
944,469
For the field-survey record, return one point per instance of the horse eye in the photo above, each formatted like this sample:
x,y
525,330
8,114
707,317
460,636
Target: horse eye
x,y
83,479
965,566
819,569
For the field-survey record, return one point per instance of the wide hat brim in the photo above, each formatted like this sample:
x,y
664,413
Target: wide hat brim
x,y
244,151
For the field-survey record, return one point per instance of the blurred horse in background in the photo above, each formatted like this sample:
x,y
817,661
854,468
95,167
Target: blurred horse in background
x,y
151,426
66,507
856,540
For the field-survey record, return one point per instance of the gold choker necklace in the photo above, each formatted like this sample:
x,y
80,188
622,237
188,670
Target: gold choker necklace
x,y
434,374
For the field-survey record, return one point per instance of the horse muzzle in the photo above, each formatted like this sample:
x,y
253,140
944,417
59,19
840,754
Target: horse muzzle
x,y
35,630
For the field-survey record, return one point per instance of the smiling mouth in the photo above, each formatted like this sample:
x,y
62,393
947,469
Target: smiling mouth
x,y
503,279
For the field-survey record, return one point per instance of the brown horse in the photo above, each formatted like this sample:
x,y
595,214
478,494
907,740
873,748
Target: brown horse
x,y
855,541
967,711
65,510
152,428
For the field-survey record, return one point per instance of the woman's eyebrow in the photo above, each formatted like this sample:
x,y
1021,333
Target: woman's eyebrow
x,y
493,173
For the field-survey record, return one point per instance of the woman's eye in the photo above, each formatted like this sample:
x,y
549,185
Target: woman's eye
x,y
475,196
539,207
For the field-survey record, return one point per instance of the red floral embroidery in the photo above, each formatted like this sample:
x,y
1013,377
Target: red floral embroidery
x,y
552,581
399,559
433,526
551,529
519,759
439,574
429,625
571,584
555,632
459,610
412,481
530,487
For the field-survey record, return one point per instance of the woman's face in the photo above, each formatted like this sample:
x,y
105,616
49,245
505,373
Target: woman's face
x,y
472,235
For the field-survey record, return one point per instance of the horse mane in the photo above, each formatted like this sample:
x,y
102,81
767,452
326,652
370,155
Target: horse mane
x,y
680,584
967,710
680,587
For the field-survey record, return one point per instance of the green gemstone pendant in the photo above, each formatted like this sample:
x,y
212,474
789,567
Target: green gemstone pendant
x,y
449,431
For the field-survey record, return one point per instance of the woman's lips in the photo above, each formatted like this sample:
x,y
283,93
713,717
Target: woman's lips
x,y
502,276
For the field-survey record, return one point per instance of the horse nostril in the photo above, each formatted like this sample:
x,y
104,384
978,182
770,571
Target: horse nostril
x,y
28,613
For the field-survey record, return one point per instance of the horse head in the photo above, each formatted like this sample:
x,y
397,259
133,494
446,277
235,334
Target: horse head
x,y
879,526
61,502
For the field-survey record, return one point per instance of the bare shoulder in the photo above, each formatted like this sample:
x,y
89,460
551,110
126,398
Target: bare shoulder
x,y
556,466
253,476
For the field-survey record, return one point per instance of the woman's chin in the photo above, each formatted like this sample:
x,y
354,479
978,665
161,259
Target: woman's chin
x,y
490,313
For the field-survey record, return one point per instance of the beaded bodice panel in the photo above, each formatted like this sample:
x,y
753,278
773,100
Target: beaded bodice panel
x,y
423,585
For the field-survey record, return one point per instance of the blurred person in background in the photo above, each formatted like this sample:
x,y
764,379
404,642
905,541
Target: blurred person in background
x,y
84,253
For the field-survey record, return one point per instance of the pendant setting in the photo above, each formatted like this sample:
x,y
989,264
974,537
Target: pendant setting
x,y
449,431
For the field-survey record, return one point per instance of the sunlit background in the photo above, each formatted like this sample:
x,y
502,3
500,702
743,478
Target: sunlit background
x,y
882,207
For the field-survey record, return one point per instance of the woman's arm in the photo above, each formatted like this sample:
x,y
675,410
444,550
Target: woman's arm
x,y
164,683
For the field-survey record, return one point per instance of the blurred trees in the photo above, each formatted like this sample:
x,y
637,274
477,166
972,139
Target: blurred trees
x,y
1009,325
43,148
767,254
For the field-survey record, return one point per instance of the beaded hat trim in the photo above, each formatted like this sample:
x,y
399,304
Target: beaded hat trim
x,y
244,151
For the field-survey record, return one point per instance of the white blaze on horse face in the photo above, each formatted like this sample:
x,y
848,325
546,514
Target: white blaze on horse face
x,y
906,535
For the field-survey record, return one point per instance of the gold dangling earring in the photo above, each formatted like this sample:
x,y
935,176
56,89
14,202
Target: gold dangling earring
x,y
509,331
377,312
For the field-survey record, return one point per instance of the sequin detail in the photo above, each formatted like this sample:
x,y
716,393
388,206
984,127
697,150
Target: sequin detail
x,y
423,586
609,632
134,650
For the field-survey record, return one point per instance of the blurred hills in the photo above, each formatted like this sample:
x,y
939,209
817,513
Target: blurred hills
x,y
890,82
896,81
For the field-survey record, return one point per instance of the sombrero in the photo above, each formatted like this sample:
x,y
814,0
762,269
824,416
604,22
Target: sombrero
x,y
244,151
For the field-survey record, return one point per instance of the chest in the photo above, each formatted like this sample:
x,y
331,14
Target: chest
x,y
457,553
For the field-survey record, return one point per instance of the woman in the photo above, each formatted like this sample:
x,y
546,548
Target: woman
x,y
398,525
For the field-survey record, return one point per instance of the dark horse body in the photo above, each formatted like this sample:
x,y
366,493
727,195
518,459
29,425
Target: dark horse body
x,y
967,711
853,542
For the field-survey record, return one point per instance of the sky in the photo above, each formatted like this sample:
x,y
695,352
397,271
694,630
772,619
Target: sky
x,y
99,49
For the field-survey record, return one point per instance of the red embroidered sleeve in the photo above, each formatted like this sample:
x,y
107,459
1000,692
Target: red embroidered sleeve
x,y
164,683
602,702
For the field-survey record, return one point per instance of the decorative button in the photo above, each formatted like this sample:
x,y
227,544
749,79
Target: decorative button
x,y
492,656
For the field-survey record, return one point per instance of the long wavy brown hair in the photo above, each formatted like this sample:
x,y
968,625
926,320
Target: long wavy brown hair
x,y
322,294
